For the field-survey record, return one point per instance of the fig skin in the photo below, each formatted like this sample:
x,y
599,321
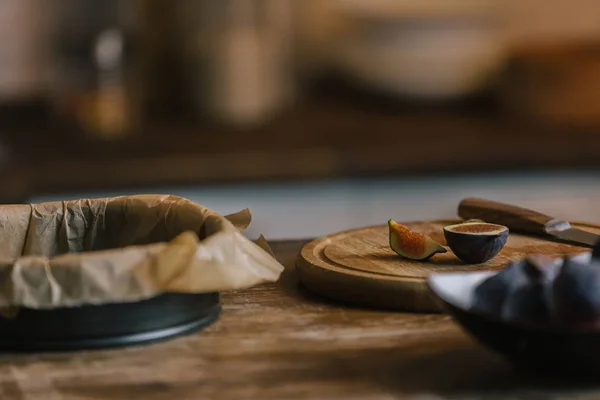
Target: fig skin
x,y
519,292
596,252
490,295
539,267
528,304
476,242
576,293
412,245
529,301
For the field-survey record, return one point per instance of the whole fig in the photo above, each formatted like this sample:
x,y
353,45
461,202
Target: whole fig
x,y
489,296
596,252
528,302
576,293
540,268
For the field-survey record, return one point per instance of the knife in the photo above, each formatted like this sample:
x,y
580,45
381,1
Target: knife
x,y
525,221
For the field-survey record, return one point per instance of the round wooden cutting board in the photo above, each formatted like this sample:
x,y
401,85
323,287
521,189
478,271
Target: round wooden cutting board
x,y
358,266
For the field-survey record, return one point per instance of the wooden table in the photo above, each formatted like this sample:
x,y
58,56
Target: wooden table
x,y
280,342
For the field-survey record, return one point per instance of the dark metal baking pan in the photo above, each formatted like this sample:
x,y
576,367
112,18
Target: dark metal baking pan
x,y
108,325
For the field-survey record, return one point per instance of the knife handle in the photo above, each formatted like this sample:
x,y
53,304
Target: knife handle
x,y
515,218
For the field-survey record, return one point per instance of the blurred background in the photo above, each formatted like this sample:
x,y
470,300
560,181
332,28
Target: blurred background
x,y
319,115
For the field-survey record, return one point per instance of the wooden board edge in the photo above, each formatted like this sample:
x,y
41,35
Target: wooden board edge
x,y
367,291
352,285
310,262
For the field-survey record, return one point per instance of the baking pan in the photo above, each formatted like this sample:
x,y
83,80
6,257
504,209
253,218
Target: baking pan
x,y
108,325
117,271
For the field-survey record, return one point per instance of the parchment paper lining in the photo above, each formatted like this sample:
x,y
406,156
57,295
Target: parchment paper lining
x,y
122,249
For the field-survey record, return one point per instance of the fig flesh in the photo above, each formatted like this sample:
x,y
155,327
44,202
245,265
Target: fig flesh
x,y
412,245
476,242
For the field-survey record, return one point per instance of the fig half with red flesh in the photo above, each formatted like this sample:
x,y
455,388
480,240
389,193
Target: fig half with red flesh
x,y
476,242
410,244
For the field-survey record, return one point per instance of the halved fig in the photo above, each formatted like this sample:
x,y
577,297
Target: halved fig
x,y
476,242
412,245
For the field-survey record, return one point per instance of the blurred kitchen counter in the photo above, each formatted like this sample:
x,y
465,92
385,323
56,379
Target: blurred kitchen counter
x,y
334,135
291,210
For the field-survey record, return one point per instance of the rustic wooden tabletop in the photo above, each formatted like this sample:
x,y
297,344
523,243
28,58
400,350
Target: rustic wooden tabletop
x,y
281,342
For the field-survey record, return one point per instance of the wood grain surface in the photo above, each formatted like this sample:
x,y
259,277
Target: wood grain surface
x,y
278,341
358,266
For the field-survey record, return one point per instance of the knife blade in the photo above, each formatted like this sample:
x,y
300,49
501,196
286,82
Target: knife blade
x,y
526,221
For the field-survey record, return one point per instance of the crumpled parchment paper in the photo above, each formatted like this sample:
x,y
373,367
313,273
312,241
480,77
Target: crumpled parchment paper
x,y
123,249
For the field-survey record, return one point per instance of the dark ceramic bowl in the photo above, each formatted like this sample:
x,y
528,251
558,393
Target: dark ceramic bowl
x,y
544,349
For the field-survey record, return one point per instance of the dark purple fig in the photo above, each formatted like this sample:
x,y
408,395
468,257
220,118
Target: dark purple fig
x,y
527,304
538,267
581,258
489,296
475,242
576,293
596,252
519,292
